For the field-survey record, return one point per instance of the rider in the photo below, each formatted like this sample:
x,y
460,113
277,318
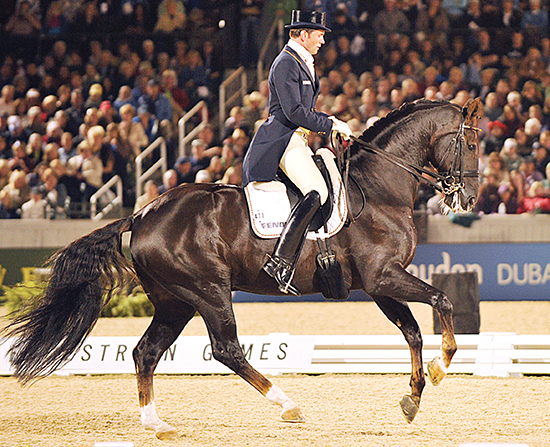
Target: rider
x,y
281,141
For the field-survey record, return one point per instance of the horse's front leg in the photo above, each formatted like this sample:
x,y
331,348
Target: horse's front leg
x,y
399,284
400,315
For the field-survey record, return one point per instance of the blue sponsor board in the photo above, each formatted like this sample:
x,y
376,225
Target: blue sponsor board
x,y
506,272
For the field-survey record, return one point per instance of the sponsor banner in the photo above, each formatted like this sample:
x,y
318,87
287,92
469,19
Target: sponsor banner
x,y
270,354
507,272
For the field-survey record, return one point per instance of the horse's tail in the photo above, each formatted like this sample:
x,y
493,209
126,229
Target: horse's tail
x,y
52,328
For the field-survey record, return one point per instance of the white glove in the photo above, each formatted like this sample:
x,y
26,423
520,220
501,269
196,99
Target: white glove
x,y
341,127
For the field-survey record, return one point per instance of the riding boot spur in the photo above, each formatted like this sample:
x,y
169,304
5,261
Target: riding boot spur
x,y
282,263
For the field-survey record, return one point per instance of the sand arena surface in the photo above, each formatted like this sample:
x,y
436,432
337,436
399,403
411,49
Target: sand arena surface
x,y
341,410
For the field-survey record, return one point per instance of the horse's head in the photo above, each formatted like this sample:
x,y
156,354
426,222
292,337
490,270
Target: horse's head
x,y
456,155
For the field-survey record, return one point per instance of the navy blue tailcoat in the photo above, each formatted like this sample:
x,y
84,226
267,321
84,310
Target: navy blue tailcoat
x,y
293,94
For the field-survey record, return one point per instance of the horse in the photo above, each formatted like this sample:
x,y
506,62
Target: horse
x,y
193,246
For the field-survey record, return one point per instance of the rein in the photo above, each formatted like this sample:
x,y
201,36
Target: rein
x,y
451,181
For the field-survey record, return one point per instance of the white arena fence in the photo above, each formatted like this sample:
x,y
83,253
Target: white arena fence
x,y
486,354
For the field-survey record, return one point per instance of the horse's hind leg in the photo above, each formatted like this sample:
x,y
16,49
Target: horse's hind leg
x,y
161,333
226,349
400,315
171,316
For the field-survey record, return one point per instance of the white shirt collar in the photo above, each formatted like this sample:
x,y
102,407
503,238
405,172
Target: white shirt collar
x,y
302,52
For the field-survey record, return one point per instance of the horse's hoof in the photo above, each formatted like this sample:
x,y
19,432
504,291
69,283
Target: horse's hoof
x,y
409,408
293,415
167,433
436,371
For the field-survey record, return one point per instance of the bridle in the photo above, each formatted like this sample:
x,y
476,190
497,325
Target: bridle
x,y
447,182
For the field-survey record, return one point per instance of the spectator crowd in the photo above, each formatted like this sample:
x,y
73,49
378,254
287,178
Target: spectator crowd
x,y
112,76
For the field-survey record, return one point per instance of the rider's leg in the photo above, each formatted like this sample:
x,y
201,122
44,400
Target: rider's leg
x,y
301,169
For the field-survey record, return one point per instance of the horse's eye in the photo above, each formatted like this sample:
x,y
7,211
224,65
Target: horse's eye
x,y
472,147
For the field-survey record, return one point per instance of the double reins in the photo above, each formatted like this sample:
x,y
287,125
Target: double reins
x,y
448,182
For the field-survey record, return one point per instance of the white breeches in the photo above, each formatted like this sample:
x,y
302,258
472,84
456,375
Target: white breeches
x,y
298,165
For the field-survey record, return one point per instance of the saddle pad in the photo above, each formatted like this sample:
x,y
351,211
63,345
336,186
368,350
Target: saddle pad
x,y
269,205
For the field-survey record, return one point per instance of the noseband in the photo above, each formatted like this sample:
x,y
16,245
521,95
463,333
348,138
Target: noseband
x,y
447,182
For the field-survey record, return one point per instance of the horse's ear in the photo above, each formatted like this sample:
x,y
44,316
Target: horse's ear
x,y
471,109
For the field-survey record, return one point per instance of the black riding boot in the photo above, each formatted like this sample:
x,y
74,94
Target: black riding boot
x,y
282,262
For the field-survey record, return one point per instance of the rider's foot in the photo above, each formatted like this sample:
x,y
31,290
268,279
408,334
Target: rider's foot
x,y
282,272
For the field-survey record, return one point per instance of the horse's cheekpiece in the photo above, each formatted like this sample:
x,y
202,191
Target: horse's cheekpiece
x,y
269,206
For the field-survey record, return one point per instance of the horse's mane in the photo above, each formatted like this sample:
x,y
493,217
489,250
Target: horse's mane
x,y
397,114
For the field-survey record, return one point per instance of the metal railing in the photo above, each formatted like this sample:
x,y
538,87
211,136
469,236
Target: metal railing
x,y
185,137
277,25
115,180
238,75
161,163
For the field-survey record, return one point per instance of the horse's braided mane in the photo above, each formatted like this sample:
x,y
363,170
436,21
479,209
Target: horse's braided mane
x,y
396,114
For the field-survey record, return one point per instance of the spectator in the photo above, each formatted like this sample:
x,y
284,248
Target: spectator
x,y
169,181
529,173
433,23
88,169
5,150
488,200
150,194
35,207
24,22
157,102
132,131
496,137
535,201
55,195
184,170
148,122
535,20
179,100
98,147
508,199
511,120
95,96
124,97
7,104
171,17
55,23
532,129
18,191
67,148
389,24
509,154
5,172
199,159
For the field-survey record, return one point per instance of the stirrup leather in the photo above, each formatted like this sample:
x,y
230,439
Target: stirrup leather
x,y
283,272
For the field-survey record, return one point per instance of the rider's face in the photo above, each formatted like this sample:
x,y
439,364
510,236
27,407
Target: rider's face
x,y
313,40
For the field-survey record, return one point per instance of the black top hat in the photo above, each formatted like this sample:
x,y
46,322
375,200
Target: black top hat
x,y
308,19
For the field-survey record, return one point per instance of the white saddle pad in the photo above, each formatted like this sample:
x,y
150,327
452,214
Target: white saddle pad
x,y
269,205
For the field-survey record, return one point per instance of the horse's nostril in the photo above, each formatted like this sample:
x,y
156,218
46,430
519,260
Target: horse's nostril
x,y
471,202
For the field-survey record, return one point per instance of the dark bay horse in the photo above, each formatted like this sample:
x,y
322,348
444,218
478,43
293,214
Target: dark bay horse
x,y
193,246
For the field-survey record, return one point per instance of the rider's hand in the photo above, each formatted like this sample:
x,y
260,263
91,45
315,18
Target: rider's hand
x,y
341,127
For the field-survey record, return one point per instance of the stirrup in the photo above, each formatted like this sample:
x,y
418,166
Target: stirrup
x,y
282,272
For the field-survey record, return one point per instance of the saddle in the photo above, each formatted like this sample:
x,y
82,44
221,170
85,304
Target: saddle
x,y
270,204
